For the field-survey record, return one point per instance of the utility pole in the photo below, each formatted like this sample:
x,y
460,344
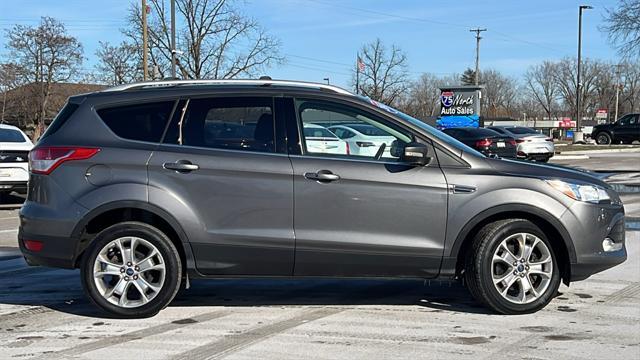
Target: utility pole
x,y
618,66
578,84
478,37
145,73
173,39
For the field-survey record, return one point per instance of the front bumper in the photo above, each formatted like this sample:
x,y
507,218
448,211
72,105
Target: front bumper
x,y
590,225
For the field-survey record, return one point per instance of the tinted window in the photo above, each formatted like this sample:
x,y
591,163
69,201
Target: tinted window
x,y
226,123
368,130
317,132
142,122
522,130
480,132
60,119
498,130
342,133
13,136
386,146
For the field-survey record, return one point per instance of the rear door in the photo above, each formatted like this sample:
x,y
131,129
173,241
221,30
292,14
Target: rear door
x,y
359,215
628,128
219,157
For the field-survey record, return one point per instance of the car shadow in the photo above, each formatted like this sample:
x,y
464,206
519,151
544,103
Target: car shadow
x,y
44,289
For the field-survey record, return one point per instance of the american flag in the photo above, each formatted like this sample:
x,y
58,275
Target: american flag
x,y
360,64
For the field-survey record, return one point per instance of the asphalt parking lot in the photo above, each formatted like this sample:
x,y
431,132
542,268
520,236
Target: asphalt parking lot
x,y
44,314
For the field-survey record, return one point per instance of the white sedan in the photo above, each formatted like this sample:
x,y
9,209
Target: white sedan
x,y
320,140
364,139
14,157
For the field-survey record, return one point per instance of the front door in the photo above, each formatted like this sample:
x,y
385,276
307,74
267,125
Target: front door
x,y
219,159
365,213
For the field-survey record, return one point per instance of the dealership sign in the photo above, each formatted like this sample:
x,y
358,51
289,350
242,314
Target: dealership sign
x,y
460,103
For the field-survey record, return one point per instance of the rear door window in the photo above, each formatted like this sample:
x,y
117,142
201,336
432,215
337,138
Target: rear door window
x,y
225,123
142,122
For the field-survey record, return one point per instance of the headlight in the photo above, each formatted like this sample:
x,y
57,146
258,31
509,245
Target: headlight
x,y
580,192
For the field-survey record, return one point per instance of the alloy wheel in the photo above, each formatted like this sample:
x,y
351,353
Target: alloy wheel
x,y
522,268
129,272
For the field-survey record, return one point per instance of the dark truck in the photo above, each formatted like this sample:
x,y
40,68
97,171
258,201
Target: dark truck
x,y
626,130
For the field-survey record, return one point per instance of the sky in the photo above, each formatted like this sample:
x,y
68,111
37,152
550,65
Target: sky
x,y
320,38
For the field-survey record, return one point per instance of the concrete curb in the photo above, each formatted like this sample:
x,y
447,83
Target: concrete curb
x,y
599,151
570,157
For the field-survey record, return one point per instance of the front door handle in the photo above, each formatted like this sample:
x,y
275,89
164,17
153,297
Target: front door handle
x,y
181,166
322,176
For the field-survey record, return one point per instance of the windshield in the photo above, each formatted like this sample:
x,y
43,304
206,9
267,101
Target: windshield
x,y
522,130
8,135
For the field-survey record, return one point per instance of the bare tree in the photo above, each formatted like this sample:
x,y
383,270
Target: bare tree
x,y
566,82
499,93
119,64
215,40
9,80
46,54
540,83
385,76
423,98
630,95
622,25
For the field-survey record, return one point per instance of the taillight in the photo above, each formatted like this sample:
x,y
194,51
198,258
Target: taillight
x,y
483,143
512,142
365,144
549,139
519,141
45,159
33,245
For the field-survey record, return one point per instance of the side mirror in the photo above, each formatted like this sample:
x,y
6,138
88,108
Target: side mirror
x,y
416,154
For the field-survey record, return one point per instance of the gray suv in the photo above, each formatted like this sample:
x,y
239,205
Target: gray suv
x,y
148,185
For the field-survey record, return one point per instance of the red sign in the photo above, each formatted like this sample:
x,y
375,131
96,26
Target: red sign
x,y
566,123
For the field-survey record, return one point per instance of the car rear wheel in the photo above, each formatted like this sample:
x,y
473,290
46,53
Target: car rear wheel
x,y
512,267
131,270
603,139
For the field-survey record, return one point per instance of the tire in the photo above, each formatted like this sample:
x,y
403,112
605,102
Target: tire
x,y
103,278
480,268
603,139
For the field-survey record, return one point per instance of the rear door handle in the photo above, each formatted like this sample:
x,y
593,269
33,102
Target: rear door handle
x,y
181,166
322,176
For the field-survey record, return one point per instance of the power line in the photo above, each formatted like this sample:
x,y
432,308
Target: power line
x,y
431,21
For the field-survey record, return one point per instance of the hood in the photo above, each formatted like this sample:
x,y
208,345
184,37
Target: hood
x,y
544,171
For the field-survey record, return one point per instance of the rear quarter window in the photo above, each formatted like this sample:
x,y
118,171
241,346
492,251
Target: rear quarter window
x,y
141,122
60,119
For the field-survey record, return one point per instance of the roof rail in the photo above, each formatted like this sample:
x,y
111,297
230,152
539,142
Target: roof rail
x,y
173,83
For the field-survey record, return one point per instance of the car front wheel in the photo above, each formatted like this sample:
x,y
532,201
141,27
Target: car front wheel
x,y
131,270
603,139
512,267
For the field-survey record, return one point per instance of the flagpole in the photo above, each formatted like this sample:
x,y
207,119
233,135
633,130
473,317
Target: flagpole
x,y
357,73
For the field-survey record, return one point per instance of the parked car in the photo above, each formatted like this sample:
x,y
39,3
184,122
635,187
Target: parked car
x,y
320,140
14,166
626,130
531,144
486,141
146,200
364,139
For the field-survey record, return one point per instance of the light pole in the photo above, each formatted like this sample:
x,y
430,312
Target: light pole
x,y
578,84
